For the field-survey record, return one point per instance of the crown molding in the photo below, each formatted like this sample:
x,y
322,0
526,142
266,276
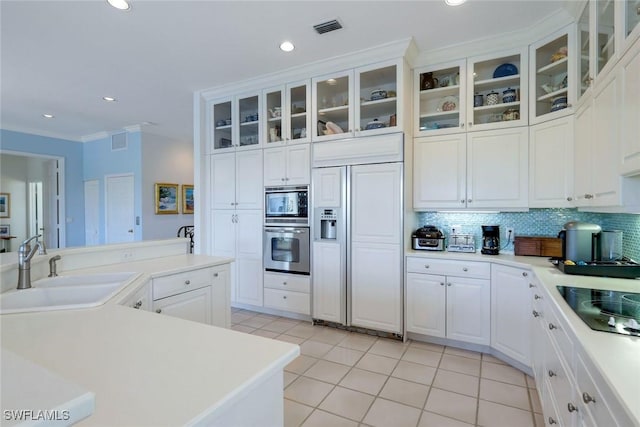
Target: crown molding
x,y
39,132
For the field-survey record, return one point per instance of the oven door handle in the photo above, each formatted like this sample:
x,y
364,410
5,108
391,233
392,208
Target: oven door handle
x,y
284,230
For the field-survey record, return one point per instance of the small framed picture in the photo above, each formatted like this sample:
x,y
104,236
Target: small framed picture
x,y
187,199
5,230
166,198
5,205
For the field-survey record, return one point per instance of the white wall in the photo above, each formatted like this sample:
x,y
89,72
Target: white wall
x,y
170,161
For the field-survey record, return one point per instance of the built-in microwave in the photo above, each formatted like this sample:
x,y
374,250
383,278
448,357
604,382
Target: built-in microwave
x,y
286,205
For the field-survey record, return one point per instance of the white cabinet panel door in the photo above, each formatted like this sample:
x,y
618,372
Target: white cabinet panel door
x,y
426,304
249,187
582,171
223,172
224,233
469,310
498,168
328,186
249,274
376,203
630,109
439,172
275,166
193,305
329,281
298,164
249,231
376,286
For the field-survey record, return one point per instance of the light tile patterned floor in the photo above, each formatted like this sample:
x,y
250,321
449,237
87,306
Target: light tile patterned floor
x,y
351,379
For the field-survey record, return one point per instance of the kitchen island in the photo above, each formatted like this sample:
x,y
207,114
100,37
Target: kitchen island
x,y
150,369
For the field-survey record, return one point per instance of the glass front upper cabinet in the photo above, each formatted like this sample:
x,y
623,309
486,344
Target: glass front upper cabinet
x,y
332,97
298,113
584,43
222,135
605,30
378,99
439,104
249,120
631,16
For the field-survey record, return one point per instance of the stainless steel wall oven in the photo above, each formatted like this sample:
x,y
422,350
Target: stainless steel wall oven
x,y
286,249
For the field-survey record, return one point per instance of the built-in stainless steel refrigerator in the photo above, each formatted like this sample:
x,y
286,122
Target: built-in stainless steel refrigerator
x,y
357,246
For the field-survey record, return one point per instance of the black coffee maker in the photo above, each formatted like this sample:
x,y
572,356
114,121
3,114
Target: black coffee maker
x,y
490,240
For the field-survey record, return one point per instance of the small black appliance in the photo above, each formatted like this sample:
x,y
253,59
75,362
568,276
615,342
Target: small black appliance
x,y
490,240
428,238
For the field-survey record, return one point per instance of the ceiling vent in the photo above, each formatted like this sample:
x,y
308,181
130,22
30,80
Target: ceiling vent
x,y
328,26
119,141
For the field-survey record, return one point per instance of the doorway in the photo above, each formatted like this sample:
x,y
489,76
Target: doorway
x,y
119,208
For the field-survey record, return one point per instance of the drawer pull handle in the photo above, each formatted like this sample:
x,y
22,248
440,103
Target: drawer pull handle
x,y
551,373
586,398
571,407
138,304
552,421
284,297
536,296
441,283
284,283
535,313
159,311
187,282
426,266
465,269
552,326
215,274
525,274
531,285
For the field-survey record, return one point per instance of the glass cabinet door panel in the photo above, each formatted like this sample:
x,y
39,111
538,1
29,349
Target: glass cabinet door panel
x,y
333,105
551,79
274,115
439,102
377,98
249,121
631,16
605,47
584,44
222,135
299,112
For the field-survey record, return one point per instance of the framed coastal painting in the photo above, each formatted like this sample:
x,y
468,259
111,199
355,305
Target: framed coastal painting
x,y
5,205
166,198
5,230
187,199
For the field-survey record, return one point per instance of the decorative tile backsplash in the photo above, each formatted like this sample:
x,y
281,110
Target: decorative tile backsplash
x,y
536,222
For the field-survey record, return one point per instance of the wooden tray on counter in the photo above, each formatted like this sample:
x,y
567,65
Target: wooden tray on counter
x,y
538,246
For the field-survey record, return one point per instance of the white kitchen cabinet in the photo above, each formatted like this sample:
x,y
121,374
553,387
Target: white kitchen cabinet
x,y
328,260
287,165
552,76
140,299
234,123
629,28
629,109
221,296
192,305
352,99
452,301
287,114
288,292
236,180
462,171
238,234
551,164
440,101
511,312
328,191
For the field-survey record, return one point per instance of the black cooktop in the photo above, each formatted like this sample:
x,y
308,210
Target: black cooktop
x,y
603,310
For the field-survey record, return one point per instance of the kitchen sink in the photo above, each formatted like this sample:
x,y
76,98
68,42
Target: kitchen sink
x,y
65,292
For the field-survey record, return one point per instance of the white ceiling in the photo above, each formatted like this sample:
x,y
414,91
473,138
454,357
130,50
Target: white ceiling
x,y
62,57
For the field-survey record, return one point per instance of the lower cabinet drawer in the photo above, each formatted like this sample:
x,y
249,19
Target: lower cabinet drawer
x,y
296,302
181,282
287,282
446,267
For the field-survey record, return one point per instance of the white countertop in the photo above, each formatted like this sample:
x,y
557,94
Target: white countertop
x,y
145,368
616,356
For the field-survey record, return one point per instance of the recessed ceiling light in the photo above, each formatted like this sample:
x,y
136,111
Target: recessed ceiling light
x,y
120,4
454,2
48,116
108,98
286,46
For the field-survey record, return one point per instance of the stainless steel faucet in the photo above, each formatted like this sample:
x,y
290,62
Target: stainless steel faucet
x,y
52,265
25,253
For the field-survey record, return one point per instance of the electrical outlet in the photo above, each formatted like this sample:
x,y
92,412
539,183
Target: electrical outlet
x,y
509,233
456,229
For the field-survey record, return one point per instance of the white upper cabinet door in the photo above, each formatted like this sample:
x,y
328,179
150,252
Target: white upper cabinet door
x,y
298,112
223,168
376,203
551,164
582,170
248,177
498,168
298,164
378,97
328,187
630,110
439,172
275,166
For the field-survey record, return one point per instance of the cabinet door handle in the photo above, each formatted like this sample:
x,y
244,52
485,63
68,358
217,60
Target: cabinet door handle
x,y
469,200
282,179
535,313
426,266
552,326
138,304
215,274
552,421
462,201
465,269
571,407
448,284
159,311
531,285
284,297
462,125
525,274
536,296
470,124
569,199
284,283
187,282
586,398
441,283
551,373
